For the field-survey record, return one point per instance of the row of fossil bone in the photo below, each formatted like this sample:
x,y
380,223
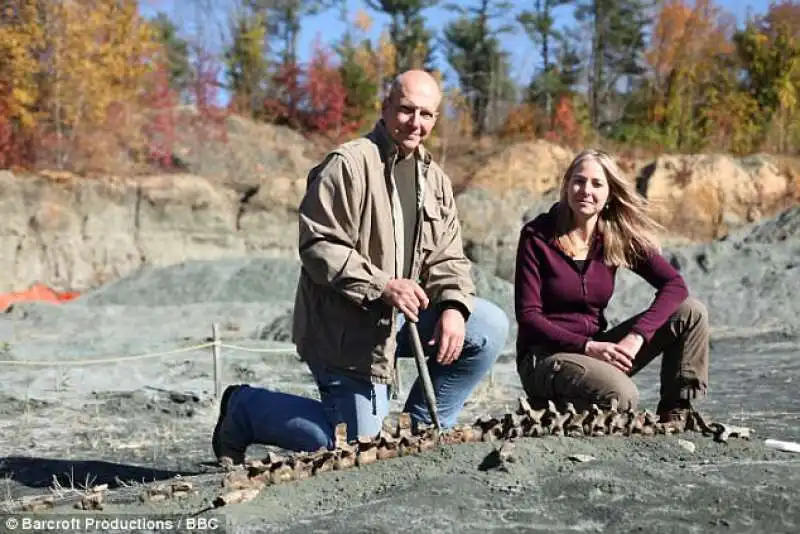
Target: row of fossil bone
x,y
403,438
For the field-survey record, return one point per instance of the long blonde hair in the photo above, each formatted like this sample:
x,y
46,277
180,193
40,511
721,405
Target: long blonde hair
x,y
629,232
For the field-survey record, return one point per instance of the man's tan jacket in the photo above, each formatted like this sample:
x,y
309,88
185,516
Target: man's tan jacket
x,y
351,245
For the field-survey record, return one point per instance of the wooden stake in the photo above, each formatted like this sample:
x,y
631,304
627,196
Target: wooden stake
x,y
215,355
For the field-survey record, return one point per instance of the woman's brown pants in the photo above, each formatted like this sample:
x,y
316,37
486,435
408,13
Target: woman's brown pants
x,y
582,380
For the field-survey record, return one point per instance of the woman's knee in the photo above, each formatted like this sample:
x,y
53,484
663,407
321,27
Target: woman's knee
x,y
625,392
693,311
598,383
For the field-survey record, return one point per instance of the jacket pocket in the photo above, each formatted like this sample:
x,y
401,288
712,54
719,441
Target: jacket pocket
x,y
432,222
364,337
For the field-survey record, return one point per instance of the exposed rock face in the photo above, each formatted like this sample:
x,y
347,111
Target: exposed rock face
x,y
699,197
80,233
706,196
73,233
244,154
491,222
536,166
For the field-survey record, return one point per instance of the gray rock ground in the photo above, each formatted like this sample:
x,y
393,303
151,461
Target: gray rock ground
x,y
69,424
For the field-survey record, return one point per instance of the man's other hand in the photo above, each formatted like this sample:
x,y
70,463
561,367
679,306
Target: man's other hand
x,y
449,333
407,296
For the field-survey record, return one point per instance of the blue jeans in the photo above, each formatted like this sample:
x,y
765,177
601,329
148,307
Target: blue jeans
x,y
302,424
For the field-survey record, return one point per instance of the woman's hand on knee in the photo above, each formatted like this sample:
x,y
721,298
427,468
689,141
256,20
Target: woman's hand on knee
x,y
610,353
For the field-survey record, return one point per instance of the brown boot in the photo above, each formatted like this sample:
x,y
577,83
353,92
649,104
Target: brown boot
x,y
674,411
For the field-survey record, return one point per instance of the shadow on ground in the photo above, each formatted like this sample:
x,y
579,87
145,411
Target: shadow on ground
x,y
36,472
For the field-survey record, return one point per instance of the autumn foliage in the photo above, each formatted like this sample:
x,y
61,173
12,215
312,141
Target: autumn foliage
x,y
312,99
88,87
93,86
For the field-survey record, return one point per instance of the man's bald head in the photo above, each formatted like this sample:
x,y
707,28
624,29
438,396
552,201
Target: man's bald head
x,y
415,81
411,108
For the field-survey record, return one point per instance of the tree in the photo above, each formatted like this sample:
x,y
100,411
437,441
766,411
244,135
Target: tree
x,y
312,100
283,20
555,77
690,65
771,57
409,36
473,50
359,71
176,50
617,29
95,56
327,97
247,68
21,37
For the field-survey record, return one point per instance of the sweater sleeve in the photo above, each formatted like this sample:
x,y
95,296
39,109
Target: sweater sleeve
x,y
528,303
671,291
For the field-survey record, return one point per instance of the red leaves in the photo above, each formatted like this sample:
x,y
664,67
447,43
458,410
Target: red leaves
x,y
565,128
312,100
160,128
326,95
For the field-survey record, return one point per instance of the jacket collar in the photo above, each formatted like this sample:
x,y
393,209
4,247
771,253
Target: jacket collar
x,y
545,226
388,148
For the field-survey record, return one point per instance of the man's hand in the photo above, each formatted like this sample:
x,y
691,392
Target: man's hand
x,y
407,296
449,333
610,353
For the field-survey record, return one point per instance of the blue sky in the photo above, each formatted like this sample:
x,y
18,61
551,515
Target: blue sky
x,y
329,27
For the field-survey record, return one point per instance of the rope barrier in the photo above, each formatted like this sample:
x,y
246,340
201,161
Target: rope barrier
x,y
271,350
107,359
216,344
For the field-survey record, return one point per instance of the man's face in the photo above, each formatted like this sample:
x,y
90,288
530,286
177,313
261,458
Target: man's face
x,y
410,114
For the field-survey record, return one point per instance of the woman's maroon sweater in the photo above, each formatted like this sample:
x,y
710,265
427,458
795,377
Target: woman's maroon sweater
x,y
560,306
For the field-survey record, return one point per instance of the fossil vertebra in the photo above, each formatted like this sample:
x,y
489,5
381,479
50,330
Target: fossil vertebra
x,y
402,439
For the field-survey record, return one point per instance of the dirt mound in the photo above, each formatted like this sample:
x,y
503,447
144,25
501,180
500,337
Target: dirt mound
x,y
248,154
233,280
173,403
280,329
229,280
533,165
706,196
783,227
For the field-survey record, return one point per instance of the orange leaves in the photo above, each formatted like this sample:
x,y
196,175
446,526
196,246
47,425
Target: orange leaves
x,y
20,40
78,73
685,34
565,127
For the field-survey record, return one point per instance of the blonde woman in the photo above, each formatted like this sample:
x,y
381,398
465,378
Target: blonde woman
x,y
567,260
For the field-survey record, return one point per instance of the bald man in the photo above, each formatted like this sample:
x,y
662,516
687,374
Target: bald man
x,y
380,244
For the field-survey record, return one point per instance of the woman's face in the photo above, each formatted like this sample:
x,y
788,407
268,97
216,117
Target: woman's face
x,y
587,190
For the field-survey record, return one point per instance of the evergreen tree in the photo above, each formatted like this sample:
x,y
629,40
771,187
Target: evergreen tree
x,y
247,67
618,32
410,37
177,52
360,87
473,50
555,78
283,19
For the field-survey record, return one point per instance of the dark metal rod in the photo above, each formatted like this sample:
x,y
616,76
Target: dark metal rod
x,y
424,375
